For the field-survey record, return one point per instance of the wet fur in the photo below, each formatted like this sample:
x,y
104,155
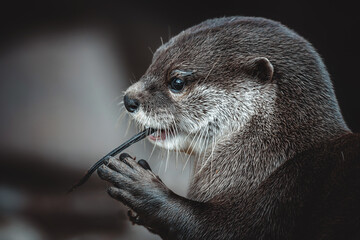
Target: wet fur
x,y
275,157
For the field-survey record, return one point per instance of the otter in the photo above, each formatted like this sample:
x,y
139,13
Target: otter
x,y
253,101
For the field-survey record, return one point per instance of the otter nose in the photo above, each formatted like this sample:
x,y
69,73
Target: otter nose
x,y
131,104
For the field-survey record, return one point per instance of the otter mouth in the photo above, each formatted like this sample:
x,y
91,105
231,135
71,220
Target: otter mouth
x,y
161,134
171,138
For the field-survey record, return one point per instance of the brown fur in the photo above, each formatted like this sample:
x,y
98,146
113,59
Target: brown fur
x,y
275,157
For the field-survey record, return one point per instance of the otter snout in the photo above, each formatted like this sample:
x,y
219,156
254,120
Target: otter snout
x,y
131,104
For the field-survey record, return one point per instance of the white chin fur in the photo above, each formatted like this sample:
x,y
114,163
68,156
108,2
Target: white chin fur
x,y
176,143
179,142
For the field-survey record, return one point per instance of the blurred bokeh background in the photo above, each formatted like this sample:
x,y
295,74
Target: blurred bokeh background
x,y
63,68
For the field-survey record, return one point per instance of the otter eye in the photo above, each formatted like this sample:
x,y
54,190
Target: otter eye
x,y
177,85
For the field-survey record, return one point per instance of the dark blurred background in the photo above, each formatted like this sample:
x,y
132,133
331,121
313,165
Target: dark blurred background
x,y
63,68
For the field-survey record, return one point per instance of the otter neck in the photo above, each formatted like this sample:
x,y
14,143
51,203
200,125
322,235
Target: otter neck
x,y
243,159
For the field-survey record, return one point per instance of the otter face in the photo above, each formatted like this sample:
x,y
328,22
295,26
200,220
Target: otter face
x,y
192,91
178,106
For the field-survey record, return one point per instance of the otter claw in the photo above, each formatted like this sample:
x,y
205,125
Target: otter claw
x,y
144,164
134,217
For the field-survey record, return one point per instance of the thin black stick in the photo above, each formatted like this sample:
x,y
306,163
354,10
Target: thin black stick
x,y
122,147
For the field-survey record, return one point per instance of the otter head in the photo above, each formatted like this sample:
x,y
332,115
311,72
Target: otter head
x,y
199,85
242,75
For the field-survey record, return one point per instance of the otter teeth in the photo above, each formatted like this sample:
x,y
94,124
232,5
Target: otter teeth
x,y
156,133
159,134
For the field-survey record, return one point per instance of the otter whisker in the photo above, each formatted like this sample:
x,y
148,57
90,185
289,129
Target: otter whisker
x,y
121,116
176,133
154,145
121,102
162,42
128,127
206,144
132,79
152,52
218,154
201,143
189,155
192,150
167,155
161,163
152,151
209,157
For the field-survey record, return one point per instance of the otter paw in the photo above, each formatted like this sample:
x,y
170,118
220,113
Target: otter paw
x,y
134,184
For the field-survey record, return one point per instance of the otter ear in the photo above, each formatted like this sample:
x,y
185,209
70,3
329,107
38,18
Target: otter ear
x,y
259,67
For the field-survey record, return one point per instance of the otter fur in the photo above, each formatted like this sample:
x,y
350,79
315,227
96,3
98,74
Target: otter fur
x,y
253,102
